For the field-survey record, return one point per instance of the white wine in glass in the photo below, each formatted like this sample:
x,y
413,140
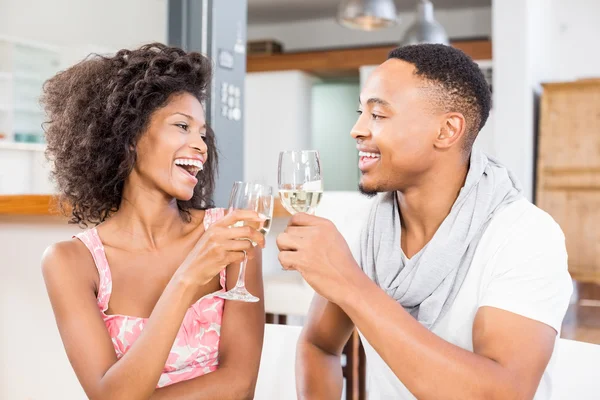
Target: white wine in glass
x,y
255,197
300,181
298,200
262,226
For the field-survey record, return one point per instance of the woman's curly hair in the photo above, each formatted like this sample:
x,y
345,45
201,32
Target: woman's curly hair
x,y
97,111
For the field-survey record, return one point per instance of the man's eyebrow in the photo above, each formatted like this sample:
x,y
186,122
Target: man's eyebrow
x,y
377,101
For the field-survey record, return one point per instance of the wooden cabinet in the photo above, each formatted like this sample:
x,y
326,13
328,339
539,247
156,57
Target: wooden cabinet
x,y
343,62
568,170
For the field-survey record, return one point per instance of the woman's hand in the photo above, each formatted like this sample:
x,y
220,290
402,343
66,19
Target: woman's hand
x,y
221,245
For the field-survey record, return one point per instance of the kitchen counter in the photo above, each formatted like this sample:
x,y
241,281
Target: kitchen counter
x,y
40,205
47,205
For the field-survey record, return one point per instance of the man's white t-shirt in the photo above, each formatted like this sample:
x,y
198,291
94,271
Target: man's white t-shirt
x,y
520,266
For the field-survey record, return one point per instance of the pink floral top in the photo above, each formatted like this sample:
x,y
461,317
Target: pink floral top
x,y
196,348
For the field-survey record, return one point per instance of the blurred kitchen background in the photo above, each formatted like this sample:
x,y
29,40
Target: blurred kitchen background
x,y
288,76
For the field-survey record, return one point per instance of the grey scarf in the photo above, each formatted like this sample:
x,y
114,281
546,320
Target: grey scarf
x,y
427,284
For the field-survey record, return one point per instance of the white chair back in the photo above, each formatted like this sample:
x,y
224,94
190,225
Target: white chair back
x,y
576,372
276,377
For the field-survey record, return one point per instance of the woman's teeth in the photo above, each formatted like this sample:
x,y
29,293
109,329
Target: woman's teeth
x,y
191,166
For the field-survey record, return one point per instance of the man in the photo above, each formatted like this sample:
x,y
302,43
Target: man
x,y
459,285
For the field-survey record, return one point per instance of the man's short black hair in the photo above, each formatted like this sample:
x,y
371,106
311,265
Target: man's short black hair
x,y
462,85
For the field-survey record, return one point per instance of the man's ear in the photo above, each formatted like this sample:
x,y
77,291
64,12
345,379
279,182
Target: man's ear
x,y
452,129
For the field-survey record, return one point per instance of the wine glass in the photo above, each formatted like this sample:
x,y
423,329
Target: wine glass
x,y
300,180
255,197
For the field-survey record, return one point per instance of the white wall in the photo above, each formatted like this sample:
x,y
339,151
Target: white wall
x,y
111,24
513,87
327,33
34,364
568,39
278,117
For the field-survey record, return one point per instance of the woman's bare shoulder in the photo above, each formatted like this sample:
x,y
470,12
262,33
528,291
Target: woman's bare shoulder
x,y
68,261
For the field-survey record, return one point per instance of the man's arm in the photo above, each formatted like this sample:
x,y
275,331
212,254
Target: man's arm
x,y
318,367
509,358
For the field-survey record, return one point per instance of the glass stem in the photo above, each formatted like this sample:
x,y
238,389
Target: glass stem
x,y
241,282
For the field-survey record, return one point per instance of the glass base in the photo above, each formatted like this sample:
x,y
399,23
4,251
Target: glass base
x,y
238,294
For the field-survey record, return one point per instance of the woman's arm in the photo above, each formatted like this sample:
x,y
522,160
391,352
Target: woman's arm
x,y
239,350
87,342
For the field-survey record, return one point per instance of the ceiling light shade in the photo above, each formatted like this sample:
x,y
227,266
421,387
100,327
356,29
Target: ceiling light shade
x,y
425,29
367,15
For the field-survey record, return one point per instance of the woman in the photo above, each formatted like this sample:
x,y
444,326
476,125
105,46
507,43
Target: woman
x,y
134,297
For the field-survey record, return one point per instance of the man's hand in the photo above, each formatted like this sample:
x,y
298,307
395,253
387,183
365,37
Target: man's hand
x,y
314,247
